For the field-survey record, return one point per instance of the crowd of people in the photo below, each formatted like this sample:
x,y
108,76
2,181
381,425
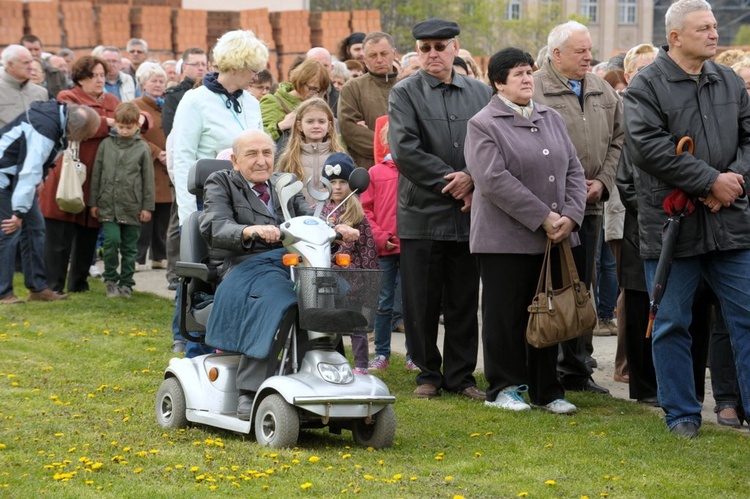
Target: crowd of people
x,y
472,173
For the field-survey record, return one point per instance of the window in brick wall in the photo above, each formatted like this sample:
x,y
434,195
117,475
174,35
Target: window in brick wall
x,y
513,11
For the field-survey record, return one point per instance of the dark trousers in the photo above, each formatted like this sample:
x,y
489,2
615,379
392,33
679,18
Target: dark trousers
x,y
154,234
508,286
173,240
571,363
68,242
724,385
642,382
435,274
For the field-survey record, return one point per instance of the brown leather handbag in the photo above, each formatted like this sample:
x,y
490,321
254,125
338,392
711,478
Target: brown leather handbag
x,y
557,315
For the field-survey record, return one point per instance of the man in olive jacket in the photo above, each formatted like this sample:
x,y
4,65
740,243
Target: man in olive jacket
x,y
684,93
428,114
593,116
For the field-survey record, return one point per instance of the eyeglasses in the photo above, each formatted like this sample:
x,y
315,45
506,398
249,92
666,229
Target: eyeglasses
x,y
314,90
196,64
439,46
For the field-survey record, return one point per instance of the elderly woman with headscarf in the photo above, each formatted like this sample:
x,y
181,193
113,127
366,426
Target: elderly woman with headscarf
x,y
529,187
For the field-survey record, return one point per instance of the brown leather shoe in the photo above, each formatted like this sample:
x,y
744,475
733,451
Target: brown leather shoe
x,y
474,393
46,295
426,391
11,300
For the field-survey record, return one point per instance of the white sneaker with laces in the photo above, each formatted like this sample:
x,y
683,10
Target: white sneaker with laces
x,y
510,398
559,406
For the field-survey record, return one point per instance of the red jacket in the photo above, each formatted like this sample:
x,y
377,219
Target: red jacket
x,y
379,202
106,109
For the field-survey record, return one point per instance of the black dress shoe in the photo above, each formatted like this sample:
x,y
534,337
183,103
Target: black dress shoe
x,y
586,386
685,430
727,416
245,406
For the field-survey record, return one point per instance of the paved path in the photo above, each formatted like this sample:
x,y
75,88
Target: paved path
x,y
154,281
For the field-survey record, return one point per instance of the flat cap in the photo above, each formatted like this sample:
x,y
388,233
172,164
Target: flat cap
x,y
436,29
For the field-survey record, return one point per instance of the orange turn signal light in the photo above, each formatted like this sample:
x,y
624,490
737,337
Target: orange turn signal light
x,y
213,374
290,259
343,259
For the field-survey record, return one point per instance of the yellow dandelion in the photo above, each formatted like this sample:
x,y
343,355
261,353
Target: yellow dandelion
x,y
138,470
194,469
381,462
398,476
449,478
603,494
413,478
305,486
550,482
477,454
96,466
59,434
547,446
346,456
473,435
368,477
313,459
458,497
2,446
523,494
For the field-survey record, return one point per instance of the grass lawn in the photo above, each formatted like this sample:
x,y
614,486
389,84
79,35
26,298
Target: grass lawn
x,y
77,386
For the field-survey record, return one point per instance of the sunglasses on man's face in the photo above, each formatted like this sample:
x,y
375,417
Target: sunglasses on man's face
x,y
425,48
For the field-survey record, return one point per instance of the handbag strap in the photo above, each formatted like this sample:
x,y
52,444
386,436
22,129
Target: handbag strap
x,y
283,104
544,275
566,261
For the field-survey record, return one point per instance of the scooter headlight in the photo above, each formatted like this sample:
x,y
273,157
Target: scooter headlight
x,y
336,373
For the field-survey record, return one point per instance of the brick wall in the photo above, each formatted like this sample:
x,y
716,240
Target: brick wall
x,y
169,30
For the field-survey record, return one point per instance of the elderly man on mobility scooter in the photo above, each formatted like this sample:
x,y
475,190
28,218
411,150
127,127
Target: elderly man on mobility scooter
x,y
254,309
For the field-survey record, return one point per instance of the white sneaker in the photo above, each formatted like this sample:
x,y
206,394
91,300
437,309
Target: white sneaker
x,y
94,271
559,406
510,398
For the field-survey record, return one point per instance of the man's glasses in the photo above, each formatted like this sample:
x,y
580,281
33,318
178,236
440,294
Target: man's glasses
x,y
314,90
425,48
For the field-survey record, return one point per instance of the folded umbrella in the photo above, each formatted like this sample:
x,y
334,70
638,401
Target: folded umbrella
x,y
677,205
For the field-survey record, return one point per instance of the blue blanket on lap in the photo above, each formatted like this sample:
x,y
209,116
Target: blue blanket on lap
x,y
249,305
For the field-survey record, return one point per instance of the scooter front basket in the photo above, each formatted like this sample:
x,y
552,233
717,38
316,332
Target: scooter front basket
x,y
337,300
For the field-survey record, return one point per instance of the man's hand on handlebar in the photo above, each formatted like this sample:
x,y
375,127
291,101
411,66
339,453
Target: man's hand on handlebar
x,y
348,234
269,233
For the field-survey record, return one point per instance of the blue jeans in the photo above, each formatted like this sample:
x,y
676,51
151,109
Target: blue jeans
x,y
389,264
607,287
31,238
728,274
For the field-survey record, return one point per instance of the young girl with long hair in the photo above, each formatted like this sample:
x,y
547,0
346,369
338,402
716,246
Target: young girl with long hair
x,y
313,139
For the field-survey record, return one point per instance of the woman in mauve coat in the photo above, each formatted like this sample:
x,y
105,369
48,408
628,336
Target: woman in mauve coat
x,y
529,187
72,237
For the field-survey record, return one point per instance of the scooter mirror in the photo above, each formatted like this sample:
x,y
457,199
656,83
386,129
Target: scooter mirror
x,y
359,180
319,194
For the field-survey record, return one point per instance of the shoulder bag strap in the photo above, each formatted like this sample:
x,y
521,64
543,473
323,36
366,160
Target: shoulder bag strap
x,y
283,104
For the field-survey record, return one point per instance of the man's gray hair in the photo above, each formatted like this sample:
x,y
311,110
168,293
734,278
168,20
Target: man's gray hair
x,y
82,122
11,52
111,48
136,41
559,35
376,36
406,57
248,133
674,20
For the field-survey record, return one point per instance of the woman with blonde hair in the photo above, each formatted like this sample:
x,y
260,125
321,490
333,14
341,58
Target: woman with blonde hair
x,y
312,140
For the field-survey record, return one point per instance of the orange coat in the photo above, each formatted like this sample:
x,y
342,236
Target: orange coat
x,y
105,107
157,142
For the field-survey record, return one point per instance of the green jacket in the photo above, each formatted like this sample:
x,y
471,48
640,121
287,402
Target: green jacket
x,y
122,182
273,112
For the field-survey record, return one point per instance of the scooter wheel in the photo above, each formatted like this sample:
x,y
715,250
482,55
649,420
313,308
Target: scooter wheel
x,y
170,405
276,423
380,433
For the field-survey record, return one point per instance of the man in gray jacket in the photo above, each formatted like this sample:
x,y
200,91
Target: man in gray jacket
x,y
17,91
428,113
593,116
683,93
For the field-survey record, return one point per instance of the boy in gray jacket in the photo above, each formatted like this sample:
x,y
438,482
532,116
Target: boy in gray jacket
x,y
122,197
